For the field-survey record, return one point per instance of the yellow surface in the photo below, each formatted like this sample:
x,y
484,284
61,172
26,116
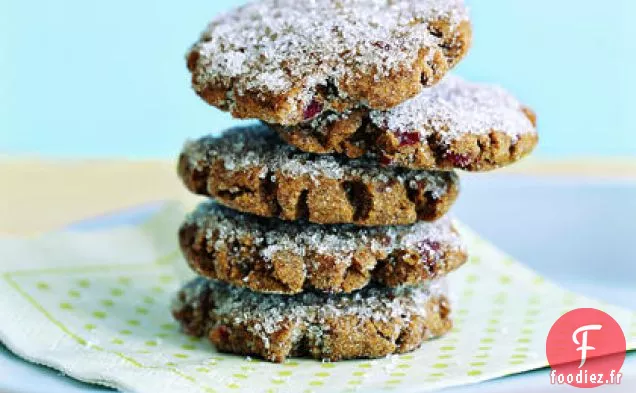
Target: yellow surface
x,y
40,195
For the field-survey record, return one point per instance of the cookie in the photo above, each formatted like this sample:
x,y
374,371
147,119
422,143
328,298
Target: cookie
x,y
286,61
275,256
371,323
251,170
453,125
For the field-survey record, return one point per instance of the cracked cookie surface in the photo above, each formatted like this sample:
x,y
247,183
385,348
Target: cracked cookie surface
x,y
275,256
372,323
453,125
252,170
286,61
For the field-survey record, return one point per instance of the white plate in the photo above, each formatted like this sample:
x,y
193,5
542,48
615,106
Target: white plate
x,y
576,232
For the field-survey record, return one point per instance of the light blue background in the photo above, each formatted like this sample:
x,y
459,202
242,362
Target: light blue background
x,y
107,78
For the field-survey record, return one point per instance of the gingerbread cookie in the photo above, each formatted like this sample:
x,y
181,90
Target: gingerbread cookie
x,y
453,125
251,170
373,323
286,61
275,256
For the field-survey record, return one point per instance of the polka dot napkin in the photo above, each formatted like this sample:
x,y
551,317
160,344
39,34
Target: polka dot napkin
x,y
95,305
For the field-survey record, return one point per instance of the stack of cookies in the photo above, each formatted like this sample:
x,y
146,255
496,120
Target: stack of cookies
x,y
326,234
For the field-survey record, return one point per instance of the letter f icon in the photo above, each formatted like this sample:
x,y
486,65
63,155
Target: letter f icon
x,y
584,347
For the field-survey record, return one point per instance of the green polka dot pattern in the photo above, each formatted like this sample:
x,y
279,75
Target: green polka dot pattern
x,y
116,320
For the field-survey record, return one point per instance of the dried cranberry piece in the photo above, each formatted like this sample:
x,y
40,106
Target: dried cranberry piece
x,y
458,160
313,109
382,45
385,160
220,334
429,252
409,138
434,246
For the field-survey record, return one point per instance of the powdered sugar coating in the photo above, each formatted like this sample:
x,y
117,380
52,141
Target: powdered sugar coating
x,y
454,108
268,313
273,46
244,148
337,241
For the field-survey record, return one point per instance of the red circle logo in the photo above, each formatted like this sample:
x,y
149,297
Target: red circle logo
x,y
586,348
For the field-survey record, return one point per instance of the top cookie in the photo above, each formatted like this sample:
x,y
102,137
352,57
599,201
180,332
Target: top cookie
x,y
286,61
454,125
